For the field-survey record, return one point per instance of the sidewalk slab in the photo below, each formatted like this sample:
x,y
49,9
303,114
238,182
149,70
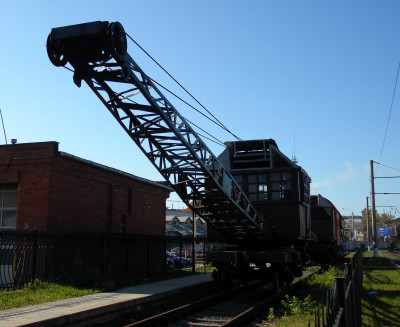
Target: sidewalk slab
x,y
77,311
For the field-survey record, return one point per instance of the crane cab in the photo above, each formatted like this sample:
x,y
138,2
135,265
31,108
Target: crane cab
x,y
278,188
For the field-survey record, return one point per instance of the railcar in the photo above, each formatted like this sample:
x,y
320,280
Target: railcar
x,y
280,191
251,194
327,228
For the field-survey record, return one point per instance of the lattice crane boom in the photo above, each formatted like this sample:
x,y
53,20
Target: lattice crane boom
x,y
98,53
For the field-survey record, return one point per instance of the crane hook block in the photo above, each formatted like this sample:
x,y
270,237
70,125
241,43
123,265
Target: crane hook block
x,y
87,45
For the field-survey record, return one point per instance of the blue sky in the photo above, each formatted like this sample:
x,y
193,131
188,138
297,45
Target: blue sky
x,y
322,72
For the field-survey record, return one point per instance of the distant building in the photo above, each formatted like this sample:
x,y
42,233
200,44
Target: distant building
x,y
43,188
180,222
353,228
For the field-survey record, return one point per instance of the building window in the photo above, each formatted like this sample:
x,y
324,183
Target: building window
x,y
281,186
257,187
8,206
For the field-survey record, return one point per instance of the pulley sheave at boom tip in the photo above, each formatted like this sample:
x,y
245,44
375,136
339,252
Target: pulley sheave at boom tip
x,y
154,124
85,44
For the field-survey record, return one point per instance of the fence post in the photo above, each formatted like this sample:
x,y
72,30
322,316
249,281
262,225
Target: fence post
x,y
103,253
127,255
360,284
148,255
340,285
352,292
34,254
165,254
204,254
180,251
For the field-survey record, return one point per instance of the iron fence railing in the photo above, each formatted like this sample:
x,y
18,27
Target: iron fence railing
x,y
26,255
343,302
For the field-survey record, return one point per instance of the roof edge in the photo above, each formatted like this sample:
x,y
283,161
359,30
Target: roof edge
x,y
114,170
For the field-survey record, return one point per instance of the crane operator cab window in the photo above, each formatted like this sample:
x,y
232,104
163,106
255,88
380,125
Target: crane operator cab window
x,y
266,186
281,185
306,188
257,187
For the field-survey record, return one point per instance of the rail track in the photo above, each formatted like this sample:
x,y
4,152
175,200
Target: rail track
x,y
237,307
206,305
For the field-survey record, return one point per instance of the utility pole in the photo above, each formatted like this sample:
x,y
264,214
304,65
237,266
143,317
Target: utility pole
x,y
368,234
373,209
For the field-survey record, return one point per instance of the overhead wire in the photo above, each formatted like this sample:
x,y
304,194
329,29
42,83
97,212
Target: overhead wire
x,y
214,120
386,166
390,112
211,138
178,97
159,65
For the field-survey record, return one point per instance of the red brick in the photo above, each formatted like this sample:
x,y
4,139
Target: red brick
x,y
56,192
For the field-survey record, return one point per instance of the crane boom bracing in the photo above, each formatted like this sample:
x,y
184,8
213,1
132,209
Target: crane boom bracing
x,y
98,53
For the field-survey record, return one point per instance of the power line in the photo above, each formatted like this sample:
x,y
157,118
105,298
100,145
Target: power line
x,y
212,136
185,102
390,112
155,61
4,129
216,140
386,166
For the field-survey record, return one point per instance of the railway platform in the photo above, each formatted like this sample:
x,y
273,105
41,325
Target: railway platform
x,y
99,308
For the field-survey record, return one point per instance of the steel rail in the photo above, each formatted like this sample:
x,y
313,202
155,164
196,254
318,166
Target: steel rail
x,y
181,311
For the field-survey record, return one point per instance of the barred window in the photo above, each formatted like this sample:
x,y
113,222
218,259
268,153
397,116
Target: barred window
x,y
257,187
8,206
281,185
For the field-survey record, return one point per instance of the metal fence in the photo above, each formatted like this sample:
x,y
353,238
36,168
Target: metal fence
x,y
354,245
31,254
343,308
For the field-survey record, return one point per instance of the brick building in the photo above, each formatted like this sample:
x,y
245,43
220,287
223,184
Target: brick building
x,y
43,188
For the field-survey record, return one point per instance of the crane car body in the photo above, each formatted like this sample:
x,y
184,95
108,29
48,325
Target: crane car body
x,y
97,52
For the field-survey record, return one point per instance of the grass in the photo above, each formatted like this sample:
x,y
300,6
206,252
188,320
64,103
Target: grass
x,y
42,292
297,310
381,295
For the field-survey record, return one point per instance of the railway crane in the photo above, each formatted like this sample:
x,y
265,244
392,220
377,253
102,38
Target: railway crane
x,y
211,187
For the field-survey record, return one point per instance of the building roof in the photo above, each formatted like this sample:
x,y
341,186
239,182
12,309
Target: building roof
x,y
181,214
114,170
52,147
184,230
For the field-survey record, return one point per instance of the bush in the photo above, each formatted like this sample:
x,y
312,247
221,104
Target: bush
x,y
293,305
325,279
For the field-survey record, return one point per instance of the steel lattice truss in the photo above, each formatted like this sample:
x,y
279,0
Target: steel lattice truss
x,y
172,146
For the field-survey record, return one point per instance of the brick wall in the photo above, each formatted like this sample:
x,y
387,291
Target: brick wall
x,y
58,192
